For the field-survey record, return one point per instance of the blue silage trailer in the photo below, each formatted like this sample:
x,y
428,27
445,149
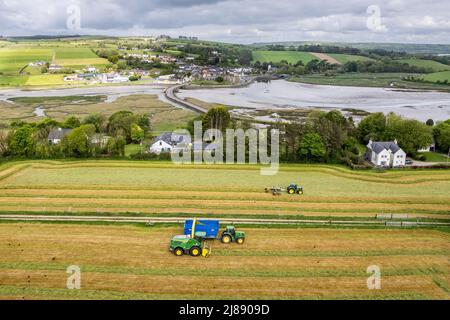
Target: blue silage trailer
x,y
210,228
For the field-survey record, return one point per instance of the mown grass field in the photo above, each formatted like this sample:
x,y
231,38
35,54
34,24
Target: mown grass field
x,y
158,188
133,262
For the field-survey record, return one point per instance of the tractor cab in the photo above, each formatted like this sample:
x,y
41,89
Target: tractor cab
x,y
294,188
231,235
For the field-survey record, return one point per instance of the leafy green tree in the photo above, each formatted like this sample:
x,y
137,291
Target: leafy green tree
x,y
312,147
120,124
410,134
4,147
216,118
143,120
116,146
137,133
72,122
22,142
372,127
98,120
77,141
441,133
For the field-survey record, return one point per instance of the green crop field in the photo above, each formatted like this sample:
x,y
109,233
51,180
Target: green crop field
x,y
375,80
276,56
429,64
438,76
344,58
151,188
132,262
78,57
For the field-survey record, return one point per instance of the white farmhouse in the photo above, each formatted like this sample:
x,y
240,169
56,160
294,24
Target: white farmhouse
x,y
385,154
167,142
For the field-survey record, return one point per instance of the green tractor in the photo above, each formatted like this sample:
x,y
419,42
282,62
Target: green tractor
x,y
294,188
231,235
184,244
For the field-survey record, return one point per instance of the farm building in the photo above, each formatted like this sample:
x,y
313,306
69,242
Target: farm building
x,y
55,135
385,154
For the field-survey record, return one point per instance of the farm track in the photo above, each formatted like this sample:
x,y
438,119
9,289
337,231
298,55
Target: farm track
x,y
240,221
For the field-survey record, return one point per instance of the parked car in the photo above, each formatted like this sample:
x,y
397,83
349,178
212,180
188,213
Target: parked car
x,y
408,162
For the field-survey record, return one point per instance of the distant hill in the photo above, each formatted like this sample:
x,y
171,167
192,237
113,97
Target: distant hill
x,y
412,48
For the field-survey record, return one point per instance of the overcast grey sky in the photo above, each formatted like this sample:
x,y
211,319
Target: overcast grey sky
x,y
239,21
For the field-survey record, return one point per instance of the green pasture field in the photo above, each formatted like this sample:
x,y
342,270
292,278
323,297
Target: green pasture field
x,y
344,58
276,56
375,80
429,64
438,76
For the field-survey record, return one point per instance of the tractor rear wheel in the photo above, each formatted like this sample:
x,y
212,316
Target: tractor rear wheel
x,y
178,252
226,238
240,240
291,191
195,251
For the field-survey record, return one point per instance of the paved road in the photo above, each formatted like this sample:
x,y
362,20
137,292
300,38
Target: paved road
x,y
170,95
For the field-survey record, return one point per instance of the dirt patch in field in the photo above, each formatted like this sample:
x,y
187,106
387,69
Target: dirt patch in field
x,y
323,56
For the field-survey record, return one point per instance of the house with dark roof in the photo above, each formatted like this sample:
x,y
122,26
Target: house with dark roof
x,y
56,135
385,154
167,141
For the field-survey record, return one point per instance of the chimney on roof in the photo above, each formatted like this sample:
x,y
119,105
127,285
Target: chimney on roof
x,y
395,141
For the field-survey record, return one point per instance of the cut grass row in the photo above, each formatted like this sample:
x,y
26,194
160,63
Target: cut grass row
x,y
123,262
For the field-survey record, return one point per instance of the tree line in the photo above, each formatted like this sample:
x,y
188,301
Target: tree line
x,y
94,136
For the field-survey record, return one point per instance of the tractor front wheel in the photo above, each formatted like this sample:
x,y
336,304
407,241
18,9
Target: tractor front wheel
x,y
178,252
226,239
240,240
300,191
195,251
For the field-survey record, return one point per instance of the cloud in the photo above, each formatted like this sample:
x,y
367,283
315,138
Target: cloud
x,y
242,21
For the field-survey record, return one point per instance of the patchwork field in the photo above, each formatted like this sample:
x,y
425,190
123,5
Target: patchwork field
x,y
14,60
132,262
164,189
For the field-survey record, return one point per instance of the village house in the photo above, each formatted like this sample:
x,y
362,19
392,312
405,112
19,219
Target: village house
x,y
385,154
56,135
